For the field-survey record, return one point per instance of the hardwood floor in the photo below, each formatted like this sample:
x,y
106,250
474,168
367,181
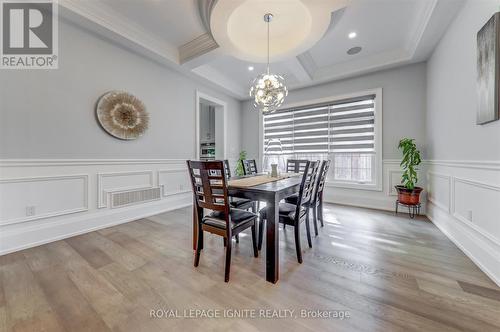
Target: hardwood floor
x,y
389,273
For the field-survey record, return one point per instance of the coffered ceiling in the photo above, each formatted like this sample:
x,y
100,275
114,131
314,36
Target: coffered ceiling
x,y
217,41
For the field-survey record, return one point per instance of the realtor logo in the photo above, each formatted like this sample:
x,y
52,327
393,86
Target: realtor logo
x,y
29,34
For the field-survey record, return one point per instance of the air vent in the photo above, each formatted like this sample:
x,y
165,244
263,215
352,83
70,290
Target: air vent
x,y
125,198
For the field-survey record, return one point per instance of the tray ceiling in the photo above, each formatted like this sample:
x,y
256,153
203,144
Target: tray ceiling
x,y
206,38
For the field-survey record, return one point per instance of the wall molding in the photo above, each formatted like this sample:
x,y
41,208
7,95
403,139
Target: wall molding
x,y
102,194
169,171
474,164
390,184
477,252
83,208
444,207
482,246
38,234
462,218
84,162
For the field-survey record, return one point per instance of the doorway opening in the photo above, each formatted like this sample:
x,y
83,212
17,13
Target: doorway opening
x,y
210,128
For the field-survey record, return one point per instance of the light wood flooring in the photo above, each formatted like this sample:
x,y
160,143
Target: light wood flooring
x,y
390,273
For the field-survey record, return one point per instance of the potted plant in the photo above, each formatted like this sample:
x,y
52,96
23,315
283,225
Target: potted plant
x,y
408,192
239,166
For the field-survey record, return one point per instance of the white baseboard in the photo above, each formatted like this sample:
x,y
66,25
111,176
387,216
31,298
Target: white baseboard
x,y
26,236
467,240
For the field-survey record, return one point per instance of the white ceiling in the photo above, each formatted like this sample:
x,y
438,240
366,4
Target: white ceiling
x,y
390,32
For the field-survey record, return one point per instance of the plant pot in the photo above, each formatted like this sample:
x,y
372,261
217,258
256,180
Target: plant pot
x,y
409,196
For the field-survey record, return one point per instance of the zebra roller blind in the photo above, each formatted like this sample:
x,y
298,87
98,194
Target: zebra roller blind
x,y
342,126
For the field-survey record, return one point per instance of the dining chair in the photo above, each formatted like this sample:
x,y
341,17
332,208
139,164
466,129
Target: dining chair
x,y
316,202
295,214
236,202
249,166
210,192
296,165
321,186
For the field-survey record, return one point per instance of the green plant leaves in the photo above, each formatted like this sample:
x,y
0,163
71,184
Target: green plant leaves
x,y
411,159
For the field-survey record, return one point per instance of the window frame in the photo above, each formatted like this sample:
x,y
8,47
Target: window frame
x,y
377,185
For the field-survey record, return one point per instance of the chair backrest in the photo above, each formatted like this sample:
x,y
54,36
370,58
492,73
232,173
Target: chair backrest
x,y
209,185
307,185
227,169
249,166
322,176
296,165
320,181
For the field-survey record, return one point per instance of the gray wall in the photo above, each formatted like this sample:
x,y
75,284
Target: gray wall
x,y
452,95
50,113
404,102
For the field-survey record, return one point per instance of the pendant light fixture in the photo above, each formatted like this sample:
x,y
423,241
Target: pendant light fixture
x,y
268,90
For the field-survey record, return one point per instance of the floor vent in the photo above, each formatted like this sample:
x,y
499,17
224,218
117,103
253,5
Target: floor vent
x,y
125,198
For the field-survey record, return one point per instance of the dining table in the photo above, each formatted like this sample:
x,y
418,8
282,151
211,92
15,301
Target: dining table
x,y
271,191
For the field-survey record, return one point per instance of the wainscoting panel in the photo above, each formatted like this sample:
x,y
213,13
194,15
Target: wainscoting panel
x,y
464,202
382,200
32,198
174,181
121,181
394,178
480,214
47,200
439,190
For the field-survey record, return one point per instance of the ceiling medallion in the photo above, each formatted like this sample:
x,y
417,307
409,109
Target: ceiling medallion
x,y
268,90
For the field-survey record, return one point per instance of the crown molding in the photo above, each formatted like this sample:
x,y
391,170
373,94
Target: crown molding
x,y
421,22
107,18
197,47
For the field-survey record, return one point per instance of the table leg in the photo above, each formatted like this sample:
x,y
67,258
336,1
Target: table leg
x,y
272,241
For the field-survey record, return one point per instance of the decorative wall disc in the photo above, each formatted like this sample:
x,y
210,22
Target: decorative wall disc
x,y
122,115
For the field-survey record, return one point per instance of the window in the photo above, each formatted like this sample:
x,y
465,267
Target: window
x,y
346,131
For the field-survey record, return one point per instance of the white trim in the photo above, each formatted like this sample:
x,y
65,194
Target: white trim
x,y
421,23
83,208
390,184
464,220
178,170
475,164
35,235
435,202
101,194
221,103
83,162
453,233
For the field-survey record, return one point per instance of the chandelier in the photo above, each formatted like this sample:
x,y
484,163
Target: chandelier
x,y
268,90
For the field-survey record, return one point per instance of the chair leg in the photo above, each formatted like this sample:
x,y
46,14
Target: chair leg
x,y
261,233
225,241
320,211
315,219
308,231
198,249
228,261
237,238
254,240
297,243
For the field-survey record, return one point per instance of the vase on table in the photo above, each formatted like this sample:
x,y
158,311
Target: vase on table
x,y
274,170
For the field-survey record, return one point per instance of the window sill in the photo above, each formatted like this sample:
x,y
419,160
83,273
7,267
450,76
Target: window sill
x,y
351,185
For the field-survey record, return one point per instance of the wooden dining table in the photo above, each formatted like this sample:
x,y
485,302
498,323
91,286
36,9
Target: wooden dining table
x,y
271,193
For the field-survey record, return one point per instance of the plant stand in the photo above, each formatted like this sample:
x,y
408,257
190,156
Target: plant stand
x,y
413,209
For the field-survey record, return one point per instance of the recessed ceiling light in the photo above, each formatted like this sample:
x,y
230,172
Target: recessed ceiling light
x,y
250,68
354,50
352,35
